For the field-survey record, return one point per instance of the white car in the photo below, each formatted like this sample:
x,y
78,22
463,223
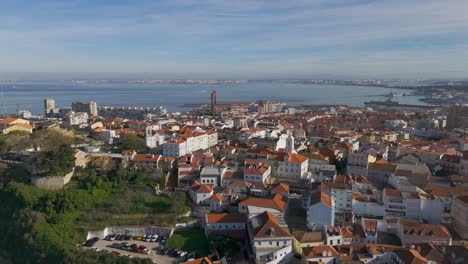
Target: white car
x,y
146,251
154,238
148,238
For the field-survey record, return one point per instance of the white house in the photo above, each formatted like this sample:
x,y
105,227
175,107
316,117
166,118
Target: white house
x,y
292,167
216,223
321,254
256,205
270,239
256,171
333,235
201,193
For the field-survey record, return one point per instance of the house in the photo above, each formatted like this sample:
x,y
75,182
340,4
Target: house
x,y
280,188
201,193
320,211
150,162
358,163
255,205
380,173
412,232
333,235
216,202
256,171
311,239
232,224
270,239
292,167
11,124
211,175
370,229
402,203
102,164
190,141
325,254
367,205
460,216
404,256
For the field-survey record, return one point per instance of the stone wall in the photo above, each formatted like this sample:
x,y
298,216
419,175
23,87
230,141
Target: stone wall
x,y
51,183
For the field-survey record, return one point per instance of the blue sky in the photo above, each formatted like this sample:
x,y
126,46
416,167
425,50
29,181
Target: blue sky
x,y
235,39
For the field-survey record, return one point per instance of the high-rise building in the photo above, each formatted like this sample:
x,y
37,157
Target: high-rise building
x,y
87,107
49,104
213,101
457,116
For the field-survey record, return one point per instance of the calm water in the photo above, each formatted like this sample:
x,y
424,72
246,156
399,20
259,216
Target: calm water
x,y
30,95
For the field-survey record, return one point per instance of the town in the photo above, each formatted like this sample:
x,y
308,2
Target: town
x,y
239,182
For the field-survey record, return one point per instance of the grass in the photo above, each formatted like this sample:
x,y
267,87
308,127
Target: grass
x,y
190,240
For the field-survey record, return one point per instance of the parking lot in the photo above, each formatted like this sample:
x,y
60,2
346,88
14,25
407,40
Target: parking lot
x,y
106,247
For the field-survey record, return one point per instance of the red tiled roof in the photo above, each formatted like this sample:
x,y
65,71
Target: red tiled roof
x,y
317,251
225,218
203,260
278,202
270,223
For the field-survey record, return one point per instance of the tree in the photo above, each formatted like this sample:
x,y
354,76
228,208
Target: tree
x,y
60,161
133,142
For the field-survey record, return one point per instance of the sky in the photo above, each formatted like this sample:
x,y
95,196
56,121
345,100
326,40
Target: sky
x,y
234,39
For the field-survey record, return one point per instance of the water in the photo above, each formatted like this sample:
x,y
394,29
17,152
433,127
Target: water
x,y
30,95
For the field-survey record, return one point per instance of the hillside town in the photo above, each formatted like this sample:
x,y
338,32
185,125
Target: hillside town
x,y
282,184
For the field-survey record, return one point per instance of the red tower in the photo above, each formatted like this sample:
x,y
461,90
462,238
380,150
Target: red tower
x,y
213,101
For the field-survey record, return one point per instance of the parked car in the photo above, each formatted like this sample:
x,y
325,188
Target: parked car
x,y
148,238
134,246
124,243
115,245
112,237
127,237
127,248
141,247
154,238
183,253
146,251
107,237
89,243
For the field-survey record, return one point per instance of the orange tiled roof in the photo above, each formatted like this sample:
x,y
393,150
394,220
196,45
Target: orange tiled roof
x,y
296,158
269,223
225,218
278,202
203,260
317,251
281,187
